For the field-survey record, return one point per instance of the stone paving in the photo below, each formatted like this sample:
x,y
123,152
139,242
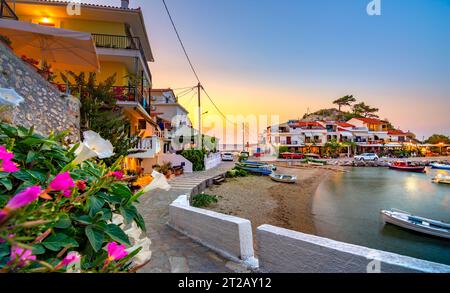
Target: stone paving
x,y
172,252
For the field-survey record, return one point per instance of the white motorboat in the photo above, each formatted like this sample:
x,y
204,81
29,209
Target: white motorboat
x,y
418,224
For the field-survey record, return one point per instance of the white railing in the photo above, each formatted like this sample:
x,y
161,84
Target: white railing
x,y
212,161
147,144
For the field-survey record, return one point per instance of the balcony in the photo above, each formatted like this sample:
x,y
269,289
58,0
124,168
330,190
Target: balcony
x,y
146,148
120,42
6,11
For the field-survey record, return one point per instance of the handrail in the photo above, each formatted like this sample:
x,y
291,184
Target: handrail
x,y
6,11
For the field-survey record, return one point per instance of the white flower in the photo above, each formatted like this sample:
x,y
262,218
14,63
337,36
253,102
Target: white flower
x,y
159,182
9,97
93,146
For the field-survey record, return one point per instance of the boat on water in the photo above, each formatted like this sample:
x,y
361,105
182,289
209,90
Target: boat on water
x,y
415,223
440,166
407,167
441,179
283,178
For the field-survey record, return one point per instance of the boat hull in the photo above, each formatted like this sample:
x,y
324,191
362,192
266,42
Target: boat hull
x,y
283,178
408,169
440,166
388,218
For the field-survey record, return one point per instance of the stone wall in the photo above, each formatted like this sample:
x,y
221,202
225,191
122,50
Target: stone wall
x,y
44,107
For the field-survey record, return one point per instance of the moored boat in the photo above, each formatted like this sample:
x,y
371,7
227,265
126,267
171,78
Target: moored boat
x,y
407,167
440,166
261,170
283,178
259,164
313,163
441,179
415,223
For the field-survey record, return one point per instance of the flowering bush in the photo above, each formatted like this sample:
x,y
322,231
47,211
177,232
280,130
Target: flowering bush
x,y
59,210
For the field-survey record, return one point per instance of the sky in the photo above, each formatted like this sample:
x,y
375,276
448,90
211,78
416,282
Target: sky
x,y
283,57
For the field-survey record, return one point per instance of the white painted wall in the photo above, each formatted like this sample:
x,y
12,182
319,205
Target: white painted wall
x,y
286,251
227,235
176,160
212,161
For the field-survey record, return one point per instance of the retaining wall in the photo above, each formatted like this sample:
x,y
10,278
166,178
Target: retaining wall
x,y
286,251
230,236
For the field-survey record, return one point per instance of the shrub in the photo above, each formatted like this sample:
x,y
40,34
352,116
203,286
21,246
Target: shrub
x,y
196,157
51,206
203,200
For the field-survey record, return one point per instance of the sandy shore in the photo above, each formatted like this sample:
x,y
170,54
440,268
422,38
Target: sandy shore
x,y
264,201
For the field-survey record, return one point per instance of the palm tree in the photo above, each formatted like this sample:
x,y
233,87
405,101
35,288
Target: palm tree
x,y
345,101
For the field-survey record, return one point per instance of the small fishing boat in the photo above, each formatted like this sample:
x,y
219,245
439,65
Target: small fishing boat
x,y
415,223
261,170
259,164
407,167
440,166
314,163
441,179
283,178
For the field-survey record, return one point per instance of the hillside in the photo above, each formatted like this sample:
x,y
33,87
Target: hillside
x,y
331,114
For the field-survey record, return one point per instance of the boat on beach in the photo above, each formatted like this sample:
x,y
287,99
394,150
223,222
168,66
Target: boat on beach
x,y
259,165
416,223
440,166
260,170
406,167
441,179
283,178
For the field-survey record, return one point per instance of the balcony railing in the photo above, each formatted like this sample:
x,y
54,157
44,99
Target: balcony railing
x,y
119,42
147,144
6,11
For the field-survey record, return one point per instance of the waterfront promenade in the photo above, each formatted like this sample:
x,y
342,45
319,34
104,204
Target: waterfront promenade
x,y
172,252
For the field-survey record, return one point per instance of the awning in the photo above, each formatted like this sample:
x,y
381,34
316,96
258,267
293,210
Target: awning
x,y
53,45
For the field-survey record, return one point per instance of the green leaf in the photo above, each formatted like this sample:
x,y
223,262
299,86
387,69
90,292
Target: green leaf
x,y
31,156
117,234
38,249
58,241
95,205
140,222
128,213
84,219
122,191
64,222
95,237
103,215
6,183
4,250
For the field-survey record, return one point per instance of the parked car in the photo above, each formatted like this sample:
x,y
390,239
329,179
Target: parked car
x,y
228,157
367,157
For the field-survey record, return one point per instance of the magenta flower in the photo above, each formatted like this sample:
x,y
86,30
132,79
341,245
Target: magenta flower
x,y
3,215
7,165
21,256
118,175
24,198
115,252
62,182
72,257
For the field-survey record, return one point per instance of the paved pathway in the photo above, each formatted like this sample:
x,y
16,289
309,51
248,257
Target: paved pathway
x,y
172,251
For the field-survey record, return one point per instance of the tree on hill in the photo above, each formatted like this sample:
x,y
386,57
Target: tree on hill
x,y
364,110
345,101
437,139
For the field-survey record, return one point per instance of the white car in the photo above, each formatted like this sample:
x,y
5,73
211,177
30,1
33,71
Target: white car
x,y
367,157
227,157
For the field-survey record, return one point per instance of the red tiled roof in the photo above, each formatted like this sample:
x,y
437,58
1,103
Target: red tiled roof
x,y
371,121
344,124
341,129
88,4
396,132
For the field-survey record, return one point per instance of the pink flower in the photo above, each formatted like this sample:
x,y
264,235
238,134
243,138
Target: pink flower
x,y
115,252
72,257
21,256
7,165
118,175
3,215
24,198
62,182
67,193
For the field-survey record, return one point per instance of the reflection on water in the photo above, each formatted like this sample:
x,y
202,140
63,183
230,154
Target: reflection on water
x,y
347,208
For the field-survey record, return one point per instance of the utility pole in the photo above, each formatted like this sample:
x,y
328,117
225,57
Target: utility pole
x,y
200,138
243,136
